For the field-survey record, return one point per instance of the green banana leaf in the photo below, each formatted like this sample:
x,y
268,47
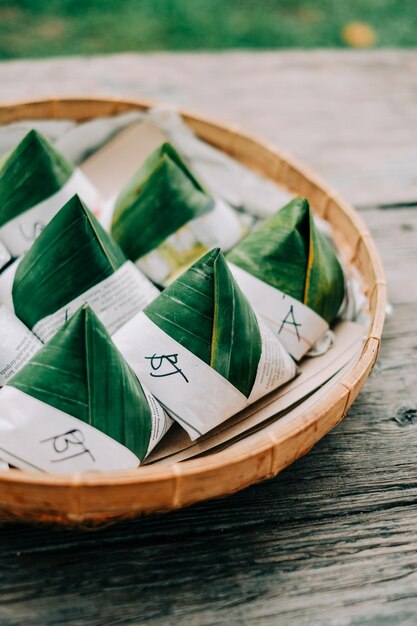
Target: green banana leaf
x,y
289,253
81,372
72,254
205,311
161,197
31,173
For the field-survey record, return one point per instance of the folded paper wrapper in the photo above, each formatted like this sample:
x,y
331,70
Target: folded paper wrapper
x,y
58,413
121,156
18,345
197,396
170,237
315,377
219,227
297,326
115,299
127,286
18,234
64,434
38,437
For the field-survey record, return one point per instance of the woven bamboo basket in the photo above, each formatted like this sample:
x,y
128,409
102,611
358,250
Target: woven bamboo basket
x,y
85,500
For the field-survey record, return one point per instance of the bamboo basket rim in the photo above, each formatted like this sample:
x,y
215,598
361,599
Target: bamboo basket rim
x,y
229,139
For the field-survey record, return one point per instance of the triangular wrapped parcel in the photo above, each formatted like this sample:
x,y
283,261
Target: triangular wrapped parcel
x,y
74,261
286,262
81,374
164,219
35,182
202,350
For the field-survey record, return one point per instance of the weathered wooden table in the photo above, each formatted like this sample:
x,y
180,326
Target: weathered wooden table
x,y
333,539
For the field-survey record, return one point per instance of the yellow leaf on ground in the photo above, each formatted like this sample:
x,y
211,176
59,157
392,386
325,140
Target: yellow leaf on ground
x,y
359,35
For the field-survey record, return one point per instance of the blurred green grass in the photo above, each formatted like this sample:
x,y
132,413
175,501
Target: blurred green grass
x,y
40,28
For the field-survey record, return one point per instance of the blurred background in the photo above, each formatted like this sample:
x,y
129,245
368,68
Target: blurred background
x,y
41,28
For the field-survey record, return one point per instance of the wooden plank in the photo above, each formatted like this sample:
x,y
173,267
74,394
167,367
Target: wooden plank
x,y
350,114
333,539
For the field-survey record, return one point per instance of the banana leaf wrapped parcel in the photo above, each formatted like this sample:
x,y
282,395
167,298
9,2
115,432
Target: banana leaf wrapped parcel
x,y
164,219
201,349
35,182
77,406
18,345
290,273
74,261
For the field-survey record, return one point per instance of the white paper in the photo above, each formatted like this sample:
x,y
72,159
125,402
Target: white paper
x,y
106,213
115,300
355,305
192,392
18,345
275,366
38,437
3,466
297,326
292,403
19,233
220,227
314,373
5,255
160,421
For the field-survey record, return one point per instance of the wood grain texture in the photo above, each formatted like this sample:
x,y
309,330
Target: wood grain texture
x,y
350,114
330,541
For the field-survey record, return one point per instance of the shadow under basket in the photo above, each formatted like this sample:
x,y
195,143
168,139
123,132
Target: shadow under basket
x,y
86,500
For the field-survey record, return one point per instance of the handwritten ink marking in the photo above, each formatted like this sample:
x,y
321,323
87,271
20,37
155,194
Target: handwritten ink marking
x,y
170,360
291,322
63,443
